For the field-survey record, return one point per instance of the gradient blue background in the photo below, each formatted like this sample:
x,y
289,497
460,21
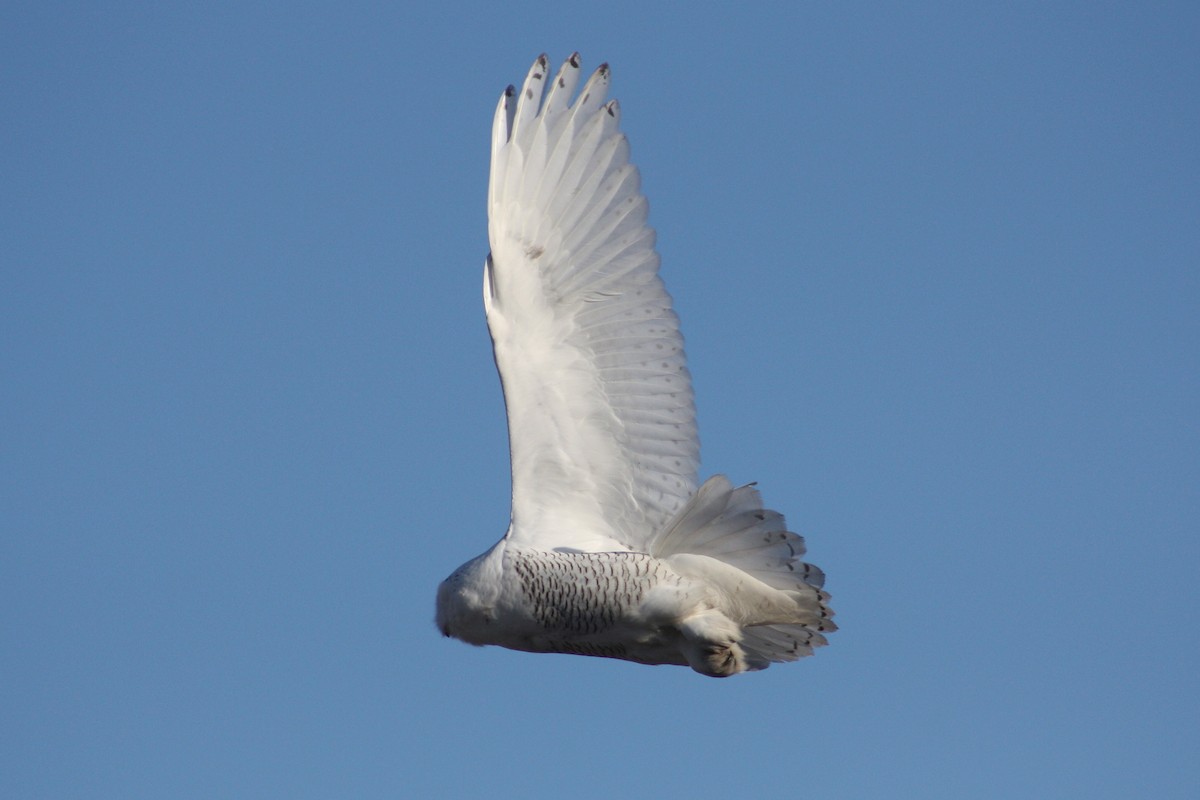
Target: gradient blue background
x,y
939,274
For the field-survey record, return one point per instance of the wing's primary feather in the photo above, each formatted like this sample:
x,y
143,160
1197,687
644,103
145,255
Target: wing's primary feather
x,y
601,420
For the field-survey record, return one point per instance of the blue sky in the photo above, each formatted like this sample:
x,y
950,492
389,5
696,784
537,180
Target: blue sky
x,y
938,268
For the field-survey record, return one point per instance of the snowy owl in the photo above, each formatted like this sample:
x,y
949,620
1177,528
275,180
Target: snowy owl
x,y
612,549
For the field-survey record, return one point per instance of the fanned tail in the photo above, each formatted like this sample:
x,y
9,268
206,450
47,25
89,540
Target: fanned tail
x,y
790,613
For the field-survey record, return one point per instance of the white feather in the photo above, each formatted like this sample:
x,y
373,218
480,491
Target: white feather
x,y
601,420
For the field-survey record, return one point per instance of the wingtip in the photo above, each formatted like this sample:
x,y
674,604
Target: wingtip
x,y
541,66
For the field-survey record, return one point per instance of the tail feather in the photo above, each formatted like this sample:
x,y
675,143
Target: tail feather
x,y
763,644
730,525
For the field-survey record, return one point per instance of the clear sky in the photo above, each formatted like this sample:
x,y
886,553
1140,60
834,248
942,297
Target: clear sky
x,y
938,267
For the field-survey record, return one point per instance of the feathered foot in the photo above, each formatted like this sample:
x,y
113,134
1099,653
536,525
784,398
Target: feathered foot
x,y
711,644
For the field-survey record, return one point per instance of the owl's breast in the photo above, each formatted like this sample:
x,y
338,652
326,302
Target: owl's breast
x,y
592,604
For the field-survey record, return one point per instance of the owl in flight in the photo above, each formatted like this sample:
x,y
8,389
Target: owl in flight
x,y
612,549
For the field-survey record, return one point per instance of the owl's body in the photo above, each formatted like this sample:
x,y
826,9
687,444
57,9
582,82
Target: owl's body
x,y
593,604
613,549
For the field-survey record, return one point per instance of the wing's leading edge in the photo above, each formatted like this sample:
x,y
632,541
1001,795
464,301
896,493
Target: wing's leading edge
x,y
601,418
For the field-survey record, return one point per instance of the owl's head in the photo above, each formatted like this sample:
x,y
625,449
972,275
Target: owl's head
x,y
466,600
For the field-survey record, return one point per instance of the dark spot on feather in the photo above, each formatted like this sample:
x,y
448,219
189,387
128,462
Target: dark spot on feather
x,y
609,109
529,93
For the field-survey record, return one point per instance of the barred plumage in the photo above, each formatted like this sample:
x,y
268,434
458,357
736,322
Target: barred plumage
x,y
586,593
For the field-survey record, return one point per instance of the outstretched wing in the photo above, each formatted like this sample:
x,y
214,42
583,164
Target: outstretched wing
x,y
601,422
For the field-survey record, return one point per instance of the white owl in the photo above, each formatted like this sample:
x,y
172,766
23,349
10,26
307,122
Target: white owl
x,y
612,550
